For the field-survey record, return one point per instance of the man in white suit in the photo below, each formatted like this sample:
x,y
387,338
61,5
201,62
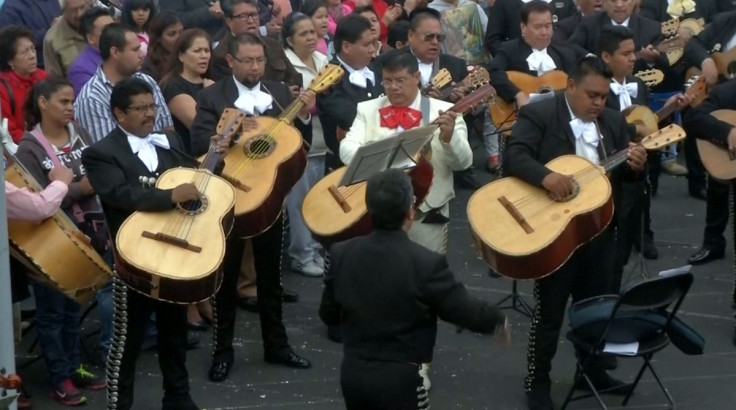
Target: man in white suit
x,y
401,109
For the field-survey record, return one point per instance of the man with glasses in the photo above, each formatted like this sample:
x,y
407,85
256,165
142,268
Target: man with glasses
x,y
64,40
248,90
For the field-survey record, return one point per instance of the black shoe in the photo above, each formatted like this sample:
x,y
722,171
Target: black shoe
x,y
609,361
604,384
650,251
699,194
200,326
334,333
466,179
249,303
704,255
192,341
538,397
181,404
287,358
219,371
290,296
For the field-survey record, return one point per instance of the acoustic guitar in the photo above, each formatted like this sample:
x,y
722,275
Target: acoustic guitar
x,y
650,77
55,251
335,213
718,161
266,162
524,234
503,113
175,256
643,115
687,28
725,64
439,81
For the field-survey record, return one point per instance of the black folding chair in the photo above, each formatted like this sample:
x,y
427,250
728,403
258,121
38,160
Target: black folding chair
x,y
645,314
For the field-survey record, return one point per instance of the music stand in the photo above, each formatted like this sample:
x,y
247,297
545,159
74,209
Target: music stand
x,y
515,302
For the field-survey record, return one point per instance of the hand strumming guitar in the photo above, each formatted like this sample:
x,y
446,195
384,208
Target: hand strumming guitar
x,y
709,71
223,144
732,141
649,53
560,186
308,97
184,193
636,157
458,92
446,121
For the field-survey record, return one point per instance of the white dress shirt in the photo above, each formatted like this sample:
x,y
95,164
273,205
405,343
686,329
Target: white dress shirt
x,y
540,61
145,147
625,92
625,23
359,77
252,101
586,137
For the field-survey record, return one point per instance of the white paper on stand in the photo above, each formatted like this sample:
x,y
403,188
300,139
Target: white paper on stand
x,y
534,97
675,271
626,349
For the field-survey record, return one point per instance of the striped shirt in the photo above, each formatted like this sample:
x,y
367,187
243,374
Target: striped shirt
x,y
92,108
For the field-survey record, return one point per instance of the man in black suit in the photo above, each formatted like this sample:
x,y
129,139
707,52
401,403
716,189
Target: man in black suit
x,y
122,169
533,53
720,36
504,21
565,27
663,10
249,92
570,123
338,106
385,342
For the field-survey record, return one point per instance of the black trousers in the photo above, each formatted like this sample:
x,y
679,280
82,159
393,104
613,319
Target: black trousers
x,y
267,259
132,314
716,215
696,174
379,385
586,274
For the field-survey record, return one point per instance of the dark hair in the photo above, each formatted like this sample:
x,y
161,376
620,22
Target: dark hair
x,y
310,7
9,37
113,35
350,28
158,56
363,9
44,88
399,31
87,22
401,61
228,5
288,28
419,15
124,90
183,43
242,39
589,65
534,6
611,38
389,196
131,5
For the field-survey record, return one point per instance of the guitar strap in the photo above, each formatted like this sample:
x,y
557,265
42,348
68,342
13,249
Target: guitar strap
x,y
424,106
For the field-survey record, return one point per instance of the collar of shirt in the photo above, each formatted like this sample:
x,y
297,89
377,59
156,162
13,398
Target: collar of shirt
x,y
346,65
253,99
625,92
624,23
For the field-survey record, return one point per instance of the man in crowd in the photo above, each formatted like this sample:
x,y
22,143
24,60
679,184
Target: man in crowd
x,y
89,60
64,40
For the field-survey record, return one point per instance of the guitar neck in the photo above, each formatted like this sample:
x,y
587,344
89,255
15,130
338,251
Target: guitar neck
x,y
665,111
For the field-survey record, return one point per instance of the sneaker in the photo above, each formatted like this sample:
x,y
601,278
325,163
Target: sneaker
x,y
673,168
308,268
424,373
84,379
66,394
319,260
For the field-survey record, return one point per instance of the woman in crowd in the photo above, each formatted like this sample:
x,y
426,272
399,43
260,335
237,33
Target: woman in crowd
x,y
336,10
300,42
370,13
18,73
185,77
138,14
53,140
317,11
165,30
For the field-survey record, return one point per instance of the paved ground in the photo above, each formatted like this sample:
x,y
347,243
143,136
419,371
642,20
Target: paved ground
x,y
469,371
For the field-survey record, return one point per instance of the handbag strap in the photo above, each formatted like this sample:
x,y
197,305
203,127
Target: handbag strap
x,y
11,96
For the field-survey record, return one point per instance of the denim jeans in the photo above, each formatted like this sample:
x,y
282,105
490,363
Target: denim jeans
x,y
490,136
104,308
303,247
656,101
58,329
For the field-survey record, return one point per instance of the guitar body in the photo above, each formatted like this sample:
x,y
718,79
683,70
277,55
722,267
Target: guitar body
x,y
169,272
557,229
329,221
726,63
262,171
716,159
642,115
503,113
55,252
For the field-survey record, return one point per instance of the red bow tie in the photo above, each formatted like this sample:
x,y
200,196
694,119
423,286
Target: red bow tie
x,y
393,117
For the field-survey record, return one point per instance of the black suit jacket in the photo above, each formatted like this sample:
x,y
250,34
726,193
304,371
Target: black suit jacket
x,y
701,124
542,133
719,32
504,20
657,10
194,14
338,106
564,28
414,286
512,57
457,67
213,100
114,171
278,67
642,98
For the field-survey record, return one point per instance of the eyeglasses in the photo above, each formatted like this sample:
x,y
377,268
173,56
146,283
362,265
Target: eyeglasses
x,y
251,61
399,82
245,17
434,36
144,108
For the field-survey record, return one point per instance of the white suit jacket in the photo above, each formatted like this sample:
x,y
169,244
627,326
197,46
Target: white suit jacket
x,y
446,158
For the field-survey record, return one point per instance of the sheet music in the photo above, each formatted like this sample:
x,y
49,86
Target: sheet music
x,y
534,97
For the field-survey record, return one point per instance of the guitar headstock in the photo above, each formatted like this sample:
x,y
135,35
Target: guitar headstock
x,y
479,95
697,90
326,78
664,137
650,77
441,79
230,123
477,77
670,27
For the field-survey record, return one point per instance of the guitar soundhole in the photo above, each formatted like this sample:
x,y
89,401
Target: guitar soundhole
x,y
545,90
259,147
575,192
193,207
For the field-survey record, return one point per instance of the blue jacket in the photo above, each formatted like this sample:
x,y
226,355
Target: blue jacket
x,y
37,15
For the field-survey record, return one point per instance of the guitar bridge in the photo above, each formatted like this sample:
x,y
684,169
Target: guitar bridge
x,y
235,183
518,217
171,240
339,198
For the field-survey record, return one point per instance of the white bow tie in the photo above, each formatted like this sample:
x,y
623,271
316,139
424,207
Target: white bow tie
x,y
625,93
254,101
361,77
586,131
146,148
540,61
